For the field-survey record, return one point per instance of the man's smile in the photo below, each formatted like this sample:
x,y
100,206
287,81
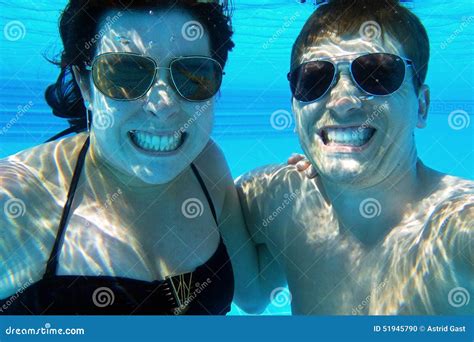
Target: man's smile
x,y
348,136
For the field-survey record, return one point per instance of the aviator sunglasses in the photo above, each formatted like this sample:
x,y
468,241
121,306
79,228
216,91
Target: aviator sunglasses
x,y
375,73
128,76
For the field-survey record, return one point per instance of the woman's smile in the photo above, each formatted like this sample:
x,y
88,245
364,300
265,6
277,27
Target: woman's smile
x,y
157,143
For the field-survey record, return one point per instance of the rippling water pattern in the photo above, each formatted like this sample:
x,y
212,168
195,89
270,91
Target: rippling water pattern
x,y
254,125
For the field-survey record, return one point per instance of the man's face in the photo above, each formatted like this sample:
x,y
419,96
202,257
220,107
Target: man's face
x,y
348,136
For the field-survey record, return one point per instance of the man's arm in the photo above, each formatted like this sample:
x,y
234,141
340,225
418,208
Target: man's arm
x,y
459,230
448,249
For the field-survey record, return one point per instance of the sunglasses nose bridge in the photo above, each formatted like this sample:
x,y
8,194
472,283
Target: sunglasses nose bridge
x,y
343,84
162,86
344,94
160,100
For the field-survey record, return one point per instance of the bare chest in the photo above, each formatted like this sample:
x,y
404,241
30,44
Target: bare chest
x,y
332,272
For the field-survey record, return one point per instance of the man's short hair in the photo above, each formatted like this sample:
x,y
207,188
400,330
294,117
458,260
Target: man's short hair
x,y
348,17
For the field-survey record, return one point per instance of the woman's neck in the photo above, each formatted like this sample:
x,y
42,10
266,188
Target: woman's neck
x,y
107,173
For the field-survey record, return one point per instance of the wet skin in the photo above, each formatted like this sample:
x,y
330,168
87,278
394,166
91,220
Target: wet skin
x,y
376,232
127,216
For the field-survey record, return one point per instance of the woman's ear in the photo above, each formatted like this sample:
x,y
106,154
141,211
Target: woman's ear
x,y
423,106
84,85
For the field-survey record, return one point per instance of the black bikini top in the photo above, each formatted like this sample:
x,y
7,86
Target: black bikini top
x,y
208,290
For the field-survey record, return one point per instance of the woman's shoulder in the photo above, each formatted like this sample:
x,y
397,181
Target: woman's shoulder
x,y
32,194
215,172
42,162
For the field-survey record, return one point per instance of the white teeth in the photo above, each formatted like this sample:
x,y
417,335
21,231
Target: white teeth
x,y
156,143
163,143
352,136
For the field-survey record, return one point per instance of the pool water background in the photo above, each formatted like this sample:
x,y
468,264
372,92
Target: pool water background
x,y
255,87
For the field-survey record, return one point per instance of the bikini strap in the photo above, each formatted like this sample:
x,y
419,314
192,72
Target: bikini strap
x,y
53,259
206,193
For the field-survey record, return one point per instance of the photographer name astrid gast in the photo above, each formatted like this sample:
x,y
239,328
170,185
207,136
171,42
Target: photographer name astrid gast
x,y
445,328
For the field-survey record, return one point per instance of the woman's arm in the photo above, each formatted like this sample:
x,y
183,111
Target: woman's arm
x,y
256,273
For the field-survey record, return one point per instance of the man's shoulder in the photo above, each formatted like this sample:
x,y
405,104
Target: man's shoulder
x,y
271,180
454,191
452,212
267,189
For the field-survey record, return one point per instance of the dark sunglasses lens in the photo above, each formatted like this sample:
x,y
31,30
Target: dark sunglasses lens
x,y
311,80
379,73
196,78
123,76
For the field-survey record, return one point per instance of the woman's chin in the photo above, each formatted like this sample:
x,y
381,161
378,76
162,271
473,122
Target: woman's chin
x,y
156,176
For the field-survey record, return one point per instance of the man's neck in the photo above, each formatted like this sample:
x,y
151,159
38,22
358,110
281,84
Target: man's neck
x,y
369,213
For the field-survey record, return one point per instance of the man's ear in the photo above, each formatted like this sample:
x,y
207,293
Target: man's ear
x,y
84,85
423,106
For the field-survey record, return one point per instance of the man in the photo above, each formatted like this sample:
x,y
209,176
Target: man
x,y
376,232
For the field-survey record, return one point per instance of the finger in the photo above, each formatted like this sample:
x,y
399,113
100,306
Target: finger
x,y
295,158
303,165
311,172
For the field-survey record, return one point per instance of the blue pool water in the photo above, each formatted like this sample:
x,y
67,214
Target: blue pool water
x,y
255,83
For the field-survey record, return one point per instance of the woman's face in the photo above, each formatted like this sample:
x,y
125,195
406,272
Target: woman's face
x,y
352,138
143,138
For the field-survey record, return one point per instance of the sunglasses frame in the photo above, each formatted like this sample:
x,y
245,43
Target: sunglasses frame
x,y
90,67
406,61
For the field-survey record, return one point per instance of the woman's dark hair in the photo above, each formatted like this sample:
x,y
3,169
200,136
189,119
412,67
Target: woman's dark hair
x,y
342,17
78,30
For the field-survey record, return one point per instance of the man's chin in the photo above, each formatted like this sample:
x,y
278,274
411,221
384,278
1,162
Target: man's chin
x,y
343,173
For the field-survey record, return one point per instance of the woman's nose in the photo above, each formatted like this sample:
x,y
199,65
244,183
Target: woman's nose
x,y
161,100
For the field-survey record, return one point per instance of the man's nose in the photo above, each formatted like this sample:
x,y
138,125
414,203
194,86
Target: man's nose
x,y
344,96
161,100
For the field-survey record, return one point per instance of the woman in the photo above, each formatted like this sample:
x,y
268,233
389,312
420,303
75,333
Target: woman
x,y
124,219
